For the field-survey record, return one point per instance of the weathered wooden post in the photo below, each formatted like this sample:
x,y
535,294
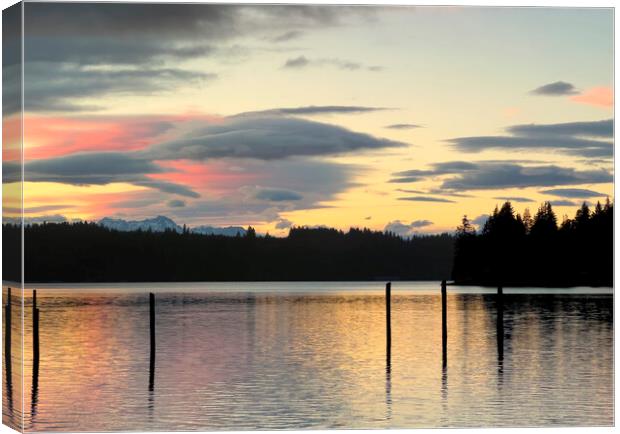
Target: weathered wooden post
x,y
444,323
388,322
7,351
7,332
388,314
500,323
35,330
152,328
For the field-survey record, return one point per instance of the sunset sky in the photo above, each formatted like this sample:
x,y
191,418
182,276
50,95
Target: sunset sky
x,y
403,118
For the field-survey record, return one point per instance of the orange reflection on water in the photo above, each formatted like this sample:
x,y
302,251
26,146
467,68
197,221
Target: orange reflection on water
x,y
254,359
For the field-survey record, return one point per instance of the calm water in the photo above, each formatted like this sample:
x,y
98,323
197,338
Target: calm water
x,y
310,355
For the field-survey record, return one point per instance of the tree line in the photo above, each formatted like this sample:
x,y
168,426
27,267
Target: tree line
x,y
521,250
87,252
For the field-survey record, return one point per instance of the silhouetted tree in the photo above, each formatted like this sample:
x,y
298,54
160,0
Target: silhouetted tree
x,y
582,217
87,252
465,229
527,220
250,232
580,252
463,246
545,222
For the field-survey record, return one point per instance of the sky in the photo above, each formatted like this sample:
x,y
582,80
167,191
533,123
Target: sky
x,y
391,118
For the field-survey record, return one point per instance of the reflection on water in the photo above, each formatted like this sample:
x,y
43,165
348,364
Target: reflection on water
x,y
12,371
307,358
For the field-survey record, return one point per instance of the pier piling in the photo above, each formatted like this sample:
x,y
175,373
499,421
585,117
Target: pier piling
x,y
388,320
7,332
35,330
500,323
7,352
152,328
444,324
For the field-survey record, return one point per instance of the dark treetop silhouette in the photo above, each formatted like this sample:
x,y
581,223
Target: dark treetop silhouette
x,y
521,250
86,252
510,250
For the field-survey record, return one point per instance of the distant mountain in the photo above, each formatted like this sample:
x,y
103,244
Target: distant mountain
x,y
28,221
230,231
162,223
157,224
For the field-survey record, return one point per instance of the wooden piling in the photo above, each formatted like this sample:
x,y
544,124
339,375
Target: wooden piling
x,y
35,329
152,328
500,323
7,352
7,331
444,323
388,321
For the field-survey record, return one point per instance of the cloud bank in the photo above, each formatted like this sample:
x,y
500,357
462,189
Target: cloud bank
x,y
587,139
267,138
463,176
406,230
558,88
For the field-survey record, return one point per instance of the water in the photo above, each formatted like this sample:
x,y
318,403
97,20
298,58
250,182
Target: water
x,y
311,355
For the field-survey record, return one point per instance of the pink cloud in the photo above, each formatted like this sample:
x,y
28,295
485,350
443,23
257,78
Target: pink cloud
x,y
598,96
47,137
215,177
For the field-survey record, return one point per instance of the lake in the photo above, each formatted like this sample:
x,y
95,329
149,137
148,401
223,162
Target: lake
x,y
310,356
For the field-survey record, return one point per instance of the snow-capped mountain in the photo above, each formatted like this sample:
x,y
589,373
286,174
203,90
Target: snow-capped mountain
x,y
230,231
157,224
162,223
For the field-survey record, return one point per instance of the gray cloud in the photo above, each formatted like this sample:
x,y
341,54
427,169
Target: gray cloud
x,y
403,126
176,203
406,230
53,87
405,190
462,176
80,168
563,203
517,199
572,192
568,144
286,36
110,51
276,195
166,187
210,21
36,209
573,138
296,62
426,199
266,138
496,176
442,168
136,42
447,193
319,110
283,224
406,179
558,88
95,168
302,62
603,129
480,220
317,181
420,223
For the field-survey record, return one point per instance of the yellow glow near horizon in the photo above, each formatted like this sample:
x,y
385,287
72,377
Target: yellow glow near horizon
x,y
466,72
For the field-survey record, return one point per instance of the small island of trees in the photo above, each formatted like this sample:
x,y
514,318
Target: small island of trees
x,y
521,250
